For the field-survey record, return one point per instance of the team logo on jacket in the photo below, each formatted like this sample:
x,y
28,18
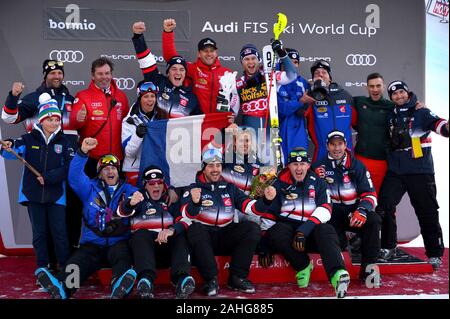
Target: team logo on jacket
x,y
227,202
346,179
322,109
97,112
292,196
150,211
207,203
58,148
183,102
342,108
239,169
312,193
165,96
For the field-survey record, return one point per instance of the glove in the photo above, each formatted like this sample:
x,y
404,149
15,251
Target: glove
x,y
320,171
265,259
277,47
358,218
222,103
141,130
299,242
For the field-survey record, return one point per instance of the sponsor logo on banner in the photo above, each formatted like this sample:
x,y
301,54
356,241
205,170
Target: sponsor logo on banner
x,y
74,83
227,58
357,84
314,58
361,59
67,56
438,8
125,83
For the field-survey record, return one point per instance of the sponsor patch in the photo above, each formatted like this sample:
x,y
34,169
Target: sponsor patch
x,y
322,109
58,148
342,109
239,169
186,194
150,211
312,193
203,81
97,112
35,147
292,196
227,202
207,203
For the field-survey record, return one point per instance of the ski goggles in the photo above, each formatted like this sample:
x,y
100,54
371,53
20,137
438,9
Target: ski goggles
x,y
52,63
298,156
212,155
107,160
147,87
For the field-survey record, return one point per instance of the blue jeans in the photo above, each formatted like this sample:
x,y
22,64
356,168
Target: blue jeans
x,y
56,216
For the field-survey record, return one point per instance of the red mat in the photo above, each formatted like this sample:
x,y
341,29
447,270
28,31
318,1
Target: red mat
x,y
18,282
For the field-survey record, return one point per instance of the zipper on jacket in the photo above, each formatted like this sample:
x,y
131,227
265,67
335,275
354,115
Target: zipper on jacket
x,y
212,92
45,169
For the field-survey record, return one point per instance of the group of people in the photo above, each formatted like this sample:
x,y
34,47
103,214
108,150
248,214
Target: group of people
x,y
86,151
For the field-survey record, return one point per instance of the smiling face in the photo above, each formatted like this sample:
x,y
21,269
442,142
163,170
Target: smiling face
x,y
212,172
243,143
54,79
176,74
250,63
102,76
148,101
299,170
155,188
375,88
400,97
110,175
51,124
336,148
208,55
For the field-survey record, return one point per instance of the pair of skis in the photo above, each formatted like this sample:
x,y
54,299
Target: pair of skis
x,y
271,84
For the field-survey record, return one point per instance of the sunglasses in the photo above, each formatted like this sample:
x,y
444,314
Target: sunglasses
x,y
147,87
155,182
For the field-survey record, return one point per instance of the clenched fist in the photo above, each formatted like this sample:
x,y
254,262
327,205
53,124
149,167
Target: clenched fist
x,y
17,88
196,194
88,144
136,198
169,25
139,27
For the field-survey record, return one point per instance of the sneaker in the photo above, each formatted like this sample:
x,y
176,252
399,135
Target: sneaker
x,y
123,285
241,284
50,284
145,289
185,287
386,254
435,262
372,270
340,282
303,276
211,288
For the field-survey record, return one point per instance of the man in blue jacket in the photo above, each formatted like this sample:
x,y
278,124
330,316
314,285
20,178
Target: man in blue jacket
x,y
410,169
104,235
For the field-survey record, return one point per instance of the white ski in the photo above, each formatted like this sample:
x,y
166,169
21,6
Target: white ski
x,y
271,84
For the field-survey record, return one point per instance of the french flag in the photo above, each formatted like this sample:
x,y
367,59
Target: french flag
x,y
176,145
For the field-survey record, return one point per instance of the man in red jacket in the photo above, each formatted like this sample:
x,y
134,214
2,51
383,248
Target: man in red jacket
x,y
98,112
203,74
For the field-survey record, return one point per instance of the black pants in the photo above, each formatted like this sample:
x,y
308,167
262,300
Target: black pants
x,y
422,193
369,232
322,240
90,258
236,239
148,255
49,221
74,209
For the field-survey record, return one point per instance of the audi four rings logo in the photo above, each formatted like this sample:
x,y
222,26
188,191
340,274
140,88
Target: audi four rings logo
x,y
361,59
125,83
67,56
